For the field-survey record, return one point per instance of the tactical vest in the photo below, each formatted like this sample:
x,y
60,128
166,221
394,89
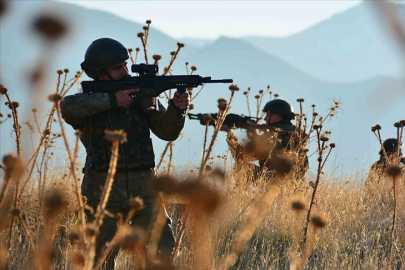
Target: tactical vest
x,y
137,153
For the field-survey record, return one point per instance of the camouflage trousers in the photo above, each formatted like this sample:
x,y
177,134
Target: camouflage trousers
x,y
144,219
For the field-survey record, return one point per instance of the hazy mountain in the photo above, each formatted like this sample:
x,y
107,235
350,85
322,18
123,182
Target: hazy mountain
x,y
376,100
350,46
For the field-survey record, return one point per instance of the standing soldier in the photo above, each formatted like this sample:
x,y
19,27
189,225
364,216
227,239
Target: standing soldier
x,y
282,135
392,152
105,60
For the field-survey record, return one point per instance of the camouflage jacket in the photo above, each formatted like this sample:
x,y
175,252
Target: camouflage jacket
x,y
266,146
81,111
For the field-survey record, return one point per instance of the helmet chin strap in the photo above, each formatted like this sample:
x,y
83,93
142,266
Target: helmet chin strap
x,y
105,72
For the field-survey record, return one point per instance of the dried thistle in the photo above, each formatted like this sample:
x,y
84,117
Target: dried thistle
x,y
156,57
191,107
319,220
3,90
193,68
180,45
136,203
324,138
140,35
394,171
298,203
50,26
55,97
234,87
54,202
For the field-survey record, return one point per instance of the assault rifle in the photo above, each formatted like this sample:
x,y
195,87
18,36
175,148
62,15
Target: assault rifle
x,y
148,82
233,121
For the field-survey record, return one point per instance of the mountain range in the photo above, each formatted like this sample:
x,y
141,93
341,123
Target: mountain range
x,y
342,58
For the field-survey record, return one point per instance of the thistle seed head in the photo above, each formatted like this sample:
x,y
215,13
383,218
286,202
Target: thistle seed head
x,y
398,125
156,57
134,241
222,100
11,162
394,171
191,107
136,203
313,105
332,145
50,27
276,95
373,129
148,21
257,96
378,127
130,50
193,68
141,34
268,87
234,87
319,220
324,138
54,97
282,165
145,28
59,71
66,70
15,104
180,45
137,49
172,53
298,203
75,236
245,93
261,91
55,202
300,100
3,90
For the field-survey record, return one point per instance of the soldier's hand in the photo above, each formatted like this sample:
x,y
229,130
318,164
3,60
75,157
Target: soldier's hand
x,y
124,99
225,128
181,101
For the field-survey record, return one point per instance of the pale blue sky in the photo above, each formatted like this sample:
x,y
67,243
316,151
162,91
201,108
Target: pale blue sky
x,y
211,19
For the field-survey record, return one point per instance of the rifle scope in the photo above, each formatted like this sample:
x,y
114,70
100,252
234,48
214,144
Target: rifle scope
x,y
143,69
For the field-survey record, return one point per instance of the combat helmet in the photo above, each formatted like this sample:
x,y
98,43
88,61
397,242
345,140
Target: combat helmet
x,y
280,107
102,53
390,146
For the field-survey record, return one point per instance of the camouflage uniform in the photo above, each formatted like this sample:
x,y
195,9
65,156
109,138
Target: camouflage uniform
x,y
92,115
264,147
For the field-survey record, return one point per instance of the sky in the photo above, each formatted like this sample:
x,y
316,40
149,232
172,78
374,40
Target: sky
x,y
212,19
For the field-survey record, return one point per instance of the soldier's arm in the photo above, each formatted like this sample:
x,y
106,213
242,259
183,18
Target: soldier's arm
x,y
76,108
166,124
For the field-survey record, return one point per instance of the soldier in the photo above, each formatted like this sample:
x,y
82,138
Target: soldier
x,y
282,135
105,60
391,149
